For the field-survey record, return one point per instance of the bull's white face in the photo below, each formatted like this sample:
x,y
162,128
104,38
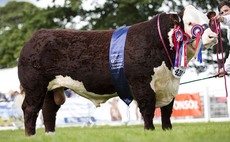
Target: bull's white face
x,y
191,17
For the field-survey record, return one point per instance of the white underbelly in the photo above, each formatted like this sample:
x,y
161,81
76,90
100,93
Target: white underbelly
x,y
78,87
163,83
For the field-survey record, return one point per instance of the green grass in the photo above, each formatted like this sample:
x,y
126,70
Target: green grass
x,y
182,132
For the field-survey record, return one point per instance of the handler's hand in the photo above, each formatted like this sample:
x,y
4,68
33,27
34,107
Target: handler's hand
x,y
219,18
221,73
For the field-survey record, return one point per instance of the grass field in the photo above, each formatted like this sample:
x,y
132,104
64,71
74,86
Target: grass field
x,y
182,132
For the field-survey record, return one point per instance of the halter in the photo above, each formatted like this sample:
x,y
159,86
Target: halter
x,y
159,31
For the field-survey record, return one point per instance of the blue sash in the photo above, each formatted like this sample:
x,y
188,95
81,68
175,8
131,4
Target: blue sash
x,y
116,61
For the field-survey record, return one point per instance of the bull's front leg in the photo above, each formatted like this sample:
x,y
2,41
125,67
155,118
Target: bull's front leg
x,y
147,108
146,102
166,112
49,111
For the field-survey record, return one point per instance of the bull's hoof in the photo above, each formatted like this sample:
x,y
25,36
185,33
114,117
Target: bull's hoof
x,y
165,128
30,133
50,133
149,128
59,96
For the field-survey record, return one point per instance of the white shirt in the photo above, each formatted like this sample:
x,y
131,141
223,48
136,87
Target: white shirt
x,y
226,23
226,20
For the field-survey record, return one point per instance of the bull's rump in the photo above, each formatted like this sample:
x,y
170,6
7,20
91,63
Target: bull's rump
x,y
83,55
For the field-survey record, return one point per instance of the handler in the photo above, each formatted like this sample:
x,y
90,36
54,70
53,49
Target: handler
x,y
224,18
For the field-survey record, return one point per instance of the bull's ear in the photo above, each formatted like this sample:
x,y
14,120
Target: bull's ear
x,y
175,18
211,14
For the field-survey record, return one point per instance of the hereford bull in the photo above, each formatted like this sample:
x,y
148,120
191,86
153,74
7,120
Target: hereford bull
x,y
53,60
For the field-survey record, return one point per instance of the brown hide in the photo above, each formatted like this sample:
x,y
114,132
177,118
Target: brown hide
x,y
84,56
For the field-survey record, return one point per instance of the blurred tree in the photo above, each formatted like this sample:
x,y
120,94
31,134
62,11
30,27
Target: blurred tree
x,y
18,20
12,35
115,13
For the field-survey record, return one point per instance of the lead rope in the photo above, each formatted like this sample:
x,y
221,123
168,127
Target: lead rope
x,y
215,26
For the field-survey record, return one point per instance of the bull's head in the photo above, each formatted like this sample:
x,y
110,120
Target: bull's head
x,y
194,21
192,17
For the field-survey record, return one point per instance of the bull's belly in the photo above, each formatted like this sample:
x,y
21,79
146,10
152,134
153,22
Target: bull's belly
x,y
79,88
164,84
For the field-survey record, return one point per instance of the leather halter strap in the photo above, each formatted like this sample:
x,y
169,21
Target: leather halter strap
x,y
159,31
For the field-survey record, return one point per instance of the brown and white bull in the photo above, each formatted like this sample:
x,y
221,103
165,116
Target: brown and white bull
x,y
53,60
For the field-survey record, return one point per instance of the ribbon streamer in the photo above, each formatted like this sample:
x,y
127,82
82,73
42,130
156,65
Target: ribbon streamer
x,y
180,40
177,39
198,49
197,31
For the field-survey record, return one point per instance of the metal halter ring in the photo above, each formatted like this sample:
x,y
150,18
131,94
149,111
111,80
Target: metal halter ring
x,y
179,35
197,28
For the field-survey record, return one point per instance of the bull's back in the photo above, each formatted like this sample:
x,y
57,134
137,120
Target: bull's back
x,y
83,55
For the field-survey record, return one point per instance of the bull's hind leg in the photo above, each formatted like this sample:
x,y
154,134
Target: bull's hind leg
x,y
49,110
31,106
166,112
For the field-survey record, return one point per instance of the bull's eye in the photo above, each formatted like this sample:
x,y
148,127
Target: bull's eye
x,y
205,26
